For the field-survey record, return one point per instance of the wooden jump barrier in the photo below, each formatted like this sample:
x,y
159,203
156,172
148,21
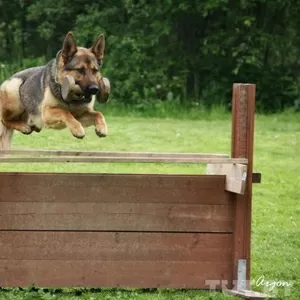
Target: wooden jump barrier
x,y
132,230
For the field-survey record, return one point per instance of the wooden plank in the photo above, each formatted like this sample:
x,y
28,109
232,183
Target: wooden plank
x,y
34,152
120,188
116,217
87,259
95,273
106,159
242,147
236,175
118,246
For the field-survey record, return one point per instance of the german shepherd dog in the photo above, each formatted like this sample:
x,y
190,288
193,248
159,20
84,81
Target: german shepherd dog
x,y
31,99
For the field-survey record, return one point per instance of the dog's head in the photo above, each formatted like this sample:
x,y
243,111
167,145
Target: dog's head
x,y
83,64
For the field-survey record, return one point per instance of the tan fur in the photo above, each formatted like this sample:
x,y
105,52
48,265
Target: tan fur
x,y
11,104
94,117
57,115
12,110
6,133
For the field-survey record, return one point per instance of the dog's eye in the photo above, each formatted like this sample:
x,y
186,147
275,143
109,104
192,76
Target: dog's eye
x,y
95,71
80,70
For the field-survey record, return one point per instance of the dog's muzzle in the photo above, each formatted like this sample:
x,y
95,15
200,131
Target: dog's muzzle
x,y
71,92
92,89
79,98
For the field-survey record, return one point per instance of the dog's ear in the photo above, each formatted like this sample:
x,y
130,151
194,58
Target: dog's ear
x,y
98,48
69,47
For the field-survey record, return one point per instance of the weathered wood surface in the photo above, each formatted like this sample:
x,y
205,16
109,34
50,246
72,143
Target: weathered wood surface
x,y
113,259
116,216
236,176
34,152
243,109
114,203
120,188
125,159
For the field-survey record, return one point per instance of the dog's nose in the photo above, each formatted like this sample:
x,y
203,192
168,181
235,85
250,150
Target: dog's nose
x,y
93,89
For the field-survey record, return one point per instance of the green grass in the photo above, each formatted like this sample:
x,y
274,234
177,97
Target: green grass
x,y
276,206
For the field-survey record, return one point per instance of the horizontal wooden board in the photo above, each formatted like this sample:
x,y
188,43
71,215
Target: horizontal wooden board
x,y
125,246
113,159
116,216
89,273
99,259
35,152
139,188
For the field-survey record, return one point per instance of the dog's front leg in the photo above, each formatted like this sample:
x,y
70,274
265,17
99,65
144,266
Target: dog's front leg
x,y
92,117
57,118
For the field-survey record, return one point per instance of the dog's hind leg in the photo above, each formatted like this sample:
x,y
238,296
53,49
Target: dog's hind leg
x,y
12,111
6,133
96,118
12,114
18,125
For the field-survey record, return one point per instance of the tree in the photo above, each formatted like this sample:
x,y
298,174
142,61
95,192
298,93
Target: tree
x,y
188,50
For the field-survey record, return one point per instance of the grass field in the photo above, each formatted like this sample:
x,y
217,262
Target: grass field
x,y
276,206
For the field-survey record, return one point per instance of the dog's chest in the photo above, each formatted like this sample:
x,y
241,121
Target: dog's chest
x,y
77,110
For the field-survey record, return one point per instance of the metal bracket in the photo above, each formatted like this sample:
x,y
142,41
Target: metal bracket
x,y
241,289
241,274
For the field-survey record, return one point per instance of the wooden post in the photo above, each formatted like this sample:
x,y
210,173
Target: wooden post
x,y
243,111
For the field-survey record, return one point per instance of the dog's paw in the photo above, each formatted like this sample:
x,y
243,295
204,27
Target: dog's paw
x,y
78,131
101,130
26,129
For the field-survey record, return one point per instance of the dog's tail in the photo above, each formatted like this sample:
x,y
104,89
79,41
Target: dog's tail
x,y
6,134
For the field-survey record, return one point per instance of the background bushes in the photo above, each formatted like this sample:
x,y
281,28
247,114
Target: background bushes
x,y
188,52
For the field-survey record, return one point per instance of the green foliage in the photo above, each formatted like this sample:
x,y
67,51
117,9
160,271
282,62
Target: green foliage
x,y
186,51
